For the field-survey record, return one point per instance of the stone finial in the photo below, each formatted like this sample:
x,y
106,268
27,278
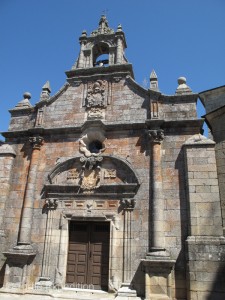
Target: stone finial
x,y
25,103
103,27
182,88
119,28
46,91
84,33
154,81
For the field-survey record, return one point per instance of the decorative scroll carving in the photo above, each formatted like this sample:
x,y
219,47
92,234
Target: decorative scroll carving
x,y
96,94
156,136
36,142
110,173
127,203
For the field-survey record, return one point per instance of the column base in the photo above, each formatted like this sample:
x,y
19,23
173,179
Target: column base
x,y
125,292
18,261
158,282
158,252
44,283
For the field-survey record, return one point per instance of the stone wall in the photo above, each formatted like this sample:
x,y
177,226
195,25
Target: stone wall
x,y
205,245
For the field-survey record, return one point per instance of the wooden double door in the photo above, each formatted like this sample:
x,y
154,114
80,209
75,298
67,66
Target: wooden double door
x,y
88,255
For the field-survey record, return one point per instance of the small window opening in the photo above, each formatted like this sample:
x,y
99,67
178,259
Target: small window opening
x,y
95,146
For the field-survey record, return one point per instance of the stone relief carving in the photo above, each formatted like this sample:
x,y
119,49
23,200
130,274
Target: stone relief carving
x,y
110,173
90,179
96,94
95,113
96,100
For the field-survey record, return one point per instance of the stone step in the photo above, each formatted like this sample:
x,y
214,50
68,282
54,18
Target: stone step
x,y
64,294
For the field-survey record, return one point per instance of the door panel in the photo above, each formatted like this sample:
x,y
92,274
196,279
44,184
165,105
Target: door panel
x,y
88,255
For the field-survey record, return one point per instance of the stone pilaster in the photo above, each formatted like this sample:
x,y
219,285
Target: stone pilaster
x,y
7,155
45,280
125,290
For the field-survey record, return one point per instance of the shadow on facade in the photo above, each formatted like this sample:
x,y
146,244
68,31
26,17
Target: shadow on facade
x,y
180,266
218,286
138,281
2,274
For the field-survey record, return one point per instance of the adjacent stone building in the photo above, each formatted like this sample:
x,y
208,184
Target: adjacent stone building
x,y
109,186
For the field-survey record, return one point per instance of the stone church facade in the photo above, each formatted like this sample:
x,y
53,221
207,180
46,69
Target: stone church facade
x,y
110,186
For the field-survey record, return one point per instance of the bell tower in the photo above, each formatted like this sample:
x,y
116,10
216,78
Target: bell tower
x,y
102,41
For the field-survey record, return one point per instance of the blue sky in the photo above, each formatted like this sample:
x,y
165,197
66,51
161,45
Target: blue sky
x,y
39,41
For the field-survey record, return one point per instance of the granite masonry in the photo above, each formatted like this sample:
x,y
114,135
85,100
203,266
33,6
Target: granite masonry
x,y
110,186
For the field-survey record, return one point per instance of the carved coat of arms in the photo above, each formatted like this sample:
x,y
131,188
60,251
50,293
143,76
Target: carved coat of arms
x,y
91,179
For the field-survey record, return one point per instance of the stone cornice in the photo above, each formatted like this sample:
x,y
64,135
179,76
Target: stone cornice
x,y
148,124
112,70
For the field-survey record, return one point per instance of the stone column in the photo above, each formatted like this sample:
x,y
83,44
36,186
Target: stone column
x,y
19,259
158,265
157,201
27,211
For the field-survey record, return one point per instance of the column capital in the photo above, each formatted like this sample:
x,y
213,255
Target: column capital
x,y
36,142
128,203
51,204
156,135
